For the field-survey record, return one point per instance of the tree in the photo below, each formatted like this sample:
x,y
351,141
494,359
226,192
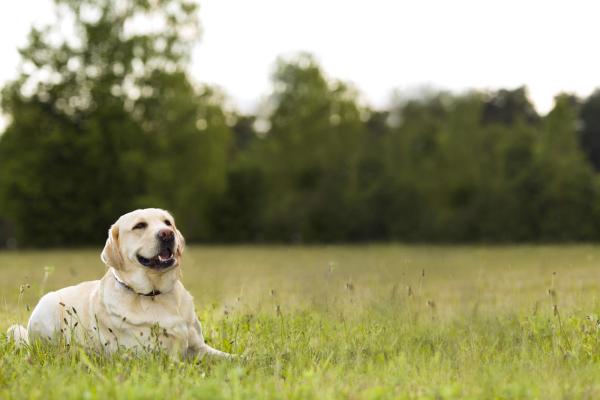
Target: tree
x,y
106,120
569,196
590,128
508,107
310,155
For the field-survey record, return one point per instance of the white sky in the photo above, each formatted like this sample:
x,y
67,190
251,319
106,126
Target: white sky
x,y
380,45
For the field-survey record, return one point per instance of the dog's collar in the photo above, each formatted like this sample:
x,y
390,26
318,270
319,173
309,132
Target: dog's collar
x,y
126,286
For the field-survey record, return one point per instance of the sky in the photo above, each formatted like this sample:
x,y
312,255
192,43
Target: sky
x,y
379,45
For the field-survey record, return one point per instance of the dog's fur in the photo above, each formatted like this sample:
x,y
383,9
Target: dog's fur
x,y
133,306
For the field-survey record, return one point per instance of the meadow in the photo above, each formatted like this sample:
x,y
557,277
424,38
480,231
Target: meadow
x,y
357,322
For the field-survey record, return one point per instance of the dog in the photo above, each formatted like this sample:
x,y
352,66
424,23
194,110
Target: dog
x,y
139,304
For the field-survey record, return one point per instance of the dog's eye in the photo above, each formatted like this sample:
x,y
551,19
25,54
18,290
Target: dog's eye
x,y
140,225
167,222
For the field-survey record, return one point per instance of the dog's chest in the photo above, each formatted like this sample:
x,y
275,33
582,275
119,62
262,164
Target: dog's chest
x,y
173,337
148,324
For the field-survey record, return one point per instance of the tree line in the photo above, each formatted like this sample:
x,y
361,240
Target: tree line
x,y
109,120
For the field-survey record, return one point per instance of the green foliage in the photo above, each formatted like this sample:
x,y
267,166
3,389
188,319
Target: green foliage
x,y
472,167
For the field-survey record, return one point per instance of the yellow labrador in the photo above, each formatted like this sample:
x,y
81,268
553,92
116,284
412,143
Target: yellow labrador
x,y
140,303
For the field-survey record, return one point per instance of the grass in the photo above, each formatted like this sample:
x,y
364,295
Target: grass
x,y
339,322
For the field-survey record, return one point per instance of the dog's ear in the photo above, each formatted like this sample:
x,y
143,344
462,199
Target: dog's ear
x,y
111,255
180,243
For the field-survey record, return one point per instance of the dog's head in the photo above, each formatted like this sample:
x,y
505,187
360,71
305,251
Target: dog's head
x,y
144,242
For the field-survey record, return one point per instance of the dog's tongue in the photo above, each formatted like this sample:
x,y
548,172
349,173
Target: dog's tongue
x,y
164,254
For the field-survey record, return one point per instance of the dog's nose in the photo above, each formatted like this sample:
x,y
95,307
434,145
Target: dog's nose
x,y
166,235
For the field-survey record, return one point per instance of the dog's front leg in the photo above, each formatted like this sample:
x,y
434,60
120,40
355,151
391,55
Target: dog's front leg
x,y
206,349
199,348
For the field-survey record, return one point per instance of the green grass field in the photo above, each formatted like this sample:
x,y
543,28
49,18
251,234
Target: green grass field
x,y
339,322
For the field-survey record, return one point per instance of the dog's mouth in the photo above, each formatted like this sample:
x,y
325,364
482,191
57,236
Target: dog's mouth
x,y
164,259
